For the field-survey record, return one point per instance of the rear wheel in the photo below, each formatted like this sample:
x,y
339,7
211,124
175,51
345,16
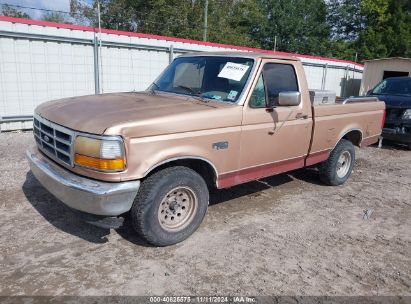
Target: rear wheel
x,y
338,167
170,206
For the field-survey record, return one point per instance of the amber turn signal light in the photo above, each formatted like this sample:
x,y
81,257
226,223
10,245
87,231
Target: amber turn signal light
x,y
99,164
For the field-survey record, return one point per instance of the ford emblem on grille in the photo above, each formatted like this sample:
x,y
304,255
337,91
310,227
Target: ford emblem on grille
x,y
46,138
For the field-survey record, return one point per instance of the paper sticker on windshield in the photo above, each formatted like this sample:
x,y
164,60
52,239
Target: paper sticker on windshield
x,y
234,71
232,95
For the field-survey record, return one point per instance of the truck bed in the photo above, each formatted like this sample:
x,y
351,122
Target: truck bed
x,y
360,120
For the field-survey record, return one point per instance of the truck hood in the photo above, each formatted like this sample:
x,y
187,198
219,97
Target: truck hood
x,y
137,114
397,101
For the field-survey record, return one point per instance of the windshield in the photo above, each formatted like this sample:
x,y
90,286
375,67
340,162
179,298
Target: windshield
x,y
213,77
394,86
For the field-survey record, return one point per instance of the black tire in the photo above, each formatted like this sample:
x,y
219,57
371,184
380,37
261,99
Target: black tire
x,y
154,196
330,173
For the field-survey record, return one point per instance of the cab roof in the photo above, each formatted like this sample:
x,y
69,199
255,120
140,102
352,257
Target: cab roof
x,y
256,55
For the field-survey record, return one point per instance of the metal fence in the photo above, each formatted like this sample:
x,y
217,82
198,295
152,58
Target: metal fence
x,y
41,61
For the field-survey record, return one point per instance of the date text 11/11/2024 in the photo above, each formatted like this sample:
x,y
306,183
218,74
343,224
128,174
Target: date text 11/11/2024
x,y
202,299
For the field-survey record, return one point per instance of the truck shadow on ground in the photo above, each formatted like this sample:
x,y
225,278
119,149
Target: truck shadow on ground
x,y
217,197
67,220
309,175
58,214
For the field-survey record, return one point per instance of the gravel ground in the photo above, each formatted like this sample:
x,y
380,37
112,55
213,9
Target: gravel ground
x,y
285,235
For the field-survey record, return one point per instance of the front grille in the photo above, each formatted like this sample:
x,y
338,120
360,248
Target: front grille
x,y
54,140
394,113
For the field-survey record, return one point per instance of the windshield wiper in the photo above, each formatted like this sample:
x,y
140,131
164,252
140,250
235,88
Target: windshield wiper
x,y
191,90
193,93
152,90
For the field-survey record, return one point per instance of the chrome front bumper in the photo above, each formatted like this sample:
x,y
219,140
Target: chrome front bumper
x,y
84,194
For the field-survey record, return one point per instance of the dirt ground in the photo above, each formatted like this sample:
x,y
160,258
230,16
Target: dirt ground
x,y
285,235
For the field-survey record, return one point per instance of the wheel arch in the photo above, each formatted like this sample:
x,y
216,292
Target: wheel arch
x,y
355,136
204,167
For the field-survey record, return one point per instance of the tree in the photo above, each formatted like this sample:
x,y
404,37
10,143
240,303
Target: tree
x,y
83,13
370,28
346,22
229,20
332,28
299,25
152,16
388,29
55,17
232,21
345,19
9,11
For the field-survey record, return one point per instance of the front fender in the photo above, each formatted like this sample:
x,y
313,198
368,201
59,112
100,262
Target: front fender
x,y
146,154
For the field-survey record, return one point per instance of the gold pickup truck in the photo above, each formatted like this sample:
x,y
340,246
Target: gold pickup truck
x,y
209,120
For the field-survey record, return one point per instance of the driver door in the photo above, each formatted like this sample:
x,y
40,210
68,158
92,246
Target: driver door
x,y
274,140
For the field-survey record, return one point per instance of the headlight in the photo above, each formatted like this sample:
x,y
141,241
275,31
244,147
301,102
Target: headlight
x,y
407,114
101,154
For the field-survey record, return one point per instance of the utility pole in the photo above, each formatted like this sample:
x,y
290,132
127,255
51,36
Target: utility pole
x,y
275,43
205,20
100,53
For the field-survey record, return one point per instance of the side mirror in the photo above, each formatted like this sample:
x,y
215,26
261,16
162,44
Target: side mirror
x,y
291,98
369,92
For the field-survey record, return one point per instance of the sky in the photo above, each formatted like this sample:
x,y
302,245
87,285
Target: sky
x,y
59,5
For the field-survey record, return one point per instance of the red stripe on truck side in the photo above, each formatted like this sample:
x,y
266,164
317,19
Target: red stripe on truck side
x,y
317,157
246,175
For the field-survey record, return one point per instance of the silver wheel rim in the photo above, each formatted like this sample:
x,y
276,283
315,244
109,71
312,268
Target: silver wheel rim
x,y
177,209
343,164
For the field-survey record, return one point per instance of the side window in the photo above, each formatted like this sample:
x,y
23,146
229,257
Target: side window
x,y
279,78
257,99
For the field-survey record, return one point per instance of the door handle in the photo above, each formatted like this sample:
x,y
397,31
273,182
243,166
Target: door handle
x,y
301,116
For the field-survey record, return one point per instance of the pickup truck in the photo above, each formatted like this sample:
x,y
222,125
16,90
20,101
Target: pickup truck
x,y
209,120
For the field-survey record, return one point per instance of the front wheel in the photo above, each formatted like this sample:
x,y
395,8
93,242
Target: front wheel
x,y
170,206
338,167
